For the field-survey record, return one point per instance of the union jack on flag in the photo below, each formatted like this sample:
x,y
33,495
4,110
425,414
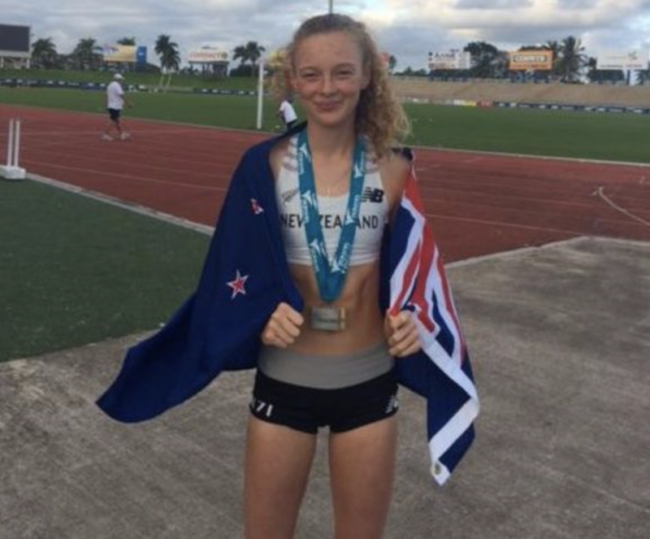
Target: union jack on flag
x,y
441,372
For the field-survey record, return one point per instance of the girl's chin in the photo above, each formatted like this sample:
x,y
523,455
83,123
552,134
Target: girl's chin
x,y
329,109
331,118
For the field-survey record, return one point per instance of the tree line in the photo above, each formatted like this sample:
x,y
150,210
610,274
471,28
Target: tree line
x,y
570,62
87,55
569,59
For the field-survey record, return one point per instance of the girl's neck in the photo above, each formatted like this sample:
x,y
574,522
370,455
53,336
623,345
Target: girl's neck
x,y
330,143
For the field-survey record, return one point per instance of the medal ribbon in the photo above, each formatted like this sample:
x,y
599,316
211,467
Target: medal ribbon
x,y
330,274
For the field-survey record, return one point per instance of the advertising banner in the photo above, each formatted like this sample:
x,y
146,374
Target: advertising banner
x,y
619,60
453,59
531,60
126,54
141,56
120,53
207,56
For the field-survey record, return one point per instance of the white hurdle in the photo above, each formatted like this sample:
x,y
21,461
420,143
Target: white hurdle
x,y
12,170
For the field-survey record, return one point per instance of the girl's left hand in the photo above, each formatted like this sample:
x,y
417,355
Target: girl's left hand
x,y
402,334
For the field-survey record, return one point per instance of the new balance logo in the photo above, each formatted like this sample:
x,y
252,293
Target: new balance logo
x,y
288,195
371,194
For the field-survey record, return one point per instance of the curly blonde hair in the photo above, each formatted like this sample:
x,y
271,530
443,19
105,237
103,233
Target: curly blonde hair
x,y
379,116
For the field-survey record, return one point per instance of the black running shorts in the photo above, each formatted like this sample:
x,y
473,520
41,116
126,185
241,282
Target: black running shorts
x,y
306,409
114,114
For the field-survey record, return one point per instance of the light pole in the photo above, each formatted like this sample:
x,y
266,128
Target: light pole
x,y
331,6
260,93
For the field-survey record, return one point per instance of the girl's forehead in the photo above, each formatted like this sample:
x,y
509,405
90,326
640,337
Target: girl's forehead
x,y
330,46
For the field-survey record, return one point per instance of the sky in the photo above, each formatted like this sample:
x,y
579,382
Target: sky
x,y
407,29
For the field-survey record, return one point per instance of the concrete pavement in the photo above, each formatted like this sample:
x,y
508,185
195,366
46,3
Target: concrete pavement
x,y
560,340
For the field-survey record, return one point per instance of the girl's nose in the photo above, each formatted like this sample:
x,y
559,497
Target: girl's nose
x,y
327,87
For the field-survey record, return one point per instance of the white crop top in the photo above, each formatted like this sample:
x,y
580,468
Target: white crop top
x,y
373,215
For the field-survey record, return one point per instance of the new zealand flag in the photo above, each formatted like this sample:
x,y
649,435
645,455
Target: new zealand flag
x,y
245,277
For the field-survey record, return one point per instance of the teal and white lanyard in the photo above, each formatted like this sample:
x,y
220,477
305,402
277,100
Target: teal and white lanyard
x,y
330,275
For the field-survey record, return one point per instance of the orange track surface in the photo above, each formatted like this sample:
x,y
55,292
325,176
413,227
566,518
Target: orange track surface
x,y
478,204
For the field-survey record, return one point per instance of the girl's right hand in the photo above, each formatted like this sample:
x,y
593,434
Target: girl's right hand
x,y
283,327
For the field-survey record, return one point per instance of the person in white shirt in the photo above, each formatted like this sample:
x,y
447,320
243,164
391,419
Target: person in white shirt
x,y
115,101
287,113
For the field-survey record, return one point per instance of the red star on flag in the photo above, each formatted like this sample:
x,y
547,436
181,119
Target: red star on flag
x,y
238,285
257,209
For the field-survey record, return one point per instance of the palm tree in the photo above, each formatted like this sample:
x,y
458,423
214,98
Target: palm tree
x,y
572,59
129,41
239,53
87,54
169,57
254,52
44,53
251,52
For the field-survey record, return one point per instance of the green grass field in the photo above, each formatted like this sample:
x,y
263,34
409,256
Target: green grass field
x,y
226,111
616,137
75,271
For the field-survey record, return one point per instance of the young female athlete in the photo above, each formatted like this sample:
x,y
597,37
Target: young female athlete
x,y
333,363
322,273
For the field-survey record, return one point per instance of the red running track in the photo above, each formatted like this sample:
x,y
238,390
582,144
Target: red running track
x,y
478,204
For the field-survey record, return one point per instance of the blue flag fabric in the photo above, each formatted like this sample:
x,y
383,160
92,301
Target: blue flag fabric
x,y
245,277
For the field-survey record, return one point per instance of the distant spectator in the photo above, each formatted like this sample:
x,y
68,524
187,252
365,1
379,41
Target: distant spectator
x,y
115,101
287,113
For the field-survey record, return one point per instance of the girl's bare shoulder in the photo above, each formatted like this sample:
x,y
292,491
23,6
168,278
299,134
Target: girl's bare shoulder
x,y
394,169
277,154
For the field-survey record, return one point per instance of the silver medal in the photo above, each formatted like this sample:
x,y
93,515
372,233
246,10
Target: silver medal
x,y
328,318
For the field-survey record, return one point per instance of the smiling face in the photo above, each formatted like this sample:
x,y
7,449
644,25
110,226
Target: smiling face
x,y
328,77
